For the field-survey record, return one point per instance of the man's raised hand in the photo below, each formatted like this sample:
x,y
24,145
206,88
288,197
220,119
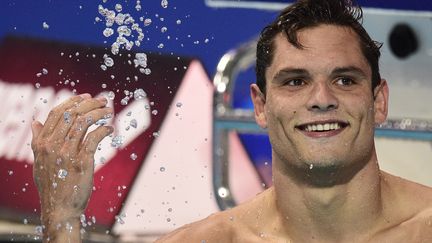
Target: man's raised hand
x,y
64,163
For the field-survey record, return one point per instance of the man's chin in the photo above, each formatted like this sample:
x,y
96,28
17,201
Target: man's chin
x,y
325,172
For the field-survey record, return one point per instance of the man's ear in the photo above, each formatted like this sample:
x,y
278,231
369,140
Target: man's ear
x,y
258,99
381,95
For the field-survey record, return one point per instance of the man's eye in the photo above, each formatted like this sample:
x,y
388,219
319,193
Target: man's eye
x,y
344,81
295,82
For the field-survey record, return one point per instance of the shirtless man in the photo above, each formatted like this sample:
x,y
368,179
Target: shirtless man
x,y
319,94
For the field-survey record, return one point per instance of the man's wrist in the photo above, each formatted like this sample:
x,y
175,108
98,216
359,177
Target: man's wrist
x,y
58,226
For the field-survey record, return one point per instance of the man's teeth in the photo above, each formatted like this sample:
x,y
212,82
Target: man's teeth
x,y
322,127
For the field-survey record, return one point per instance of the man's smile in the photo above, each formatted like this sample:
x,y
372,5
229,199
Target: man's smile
x,y
320,129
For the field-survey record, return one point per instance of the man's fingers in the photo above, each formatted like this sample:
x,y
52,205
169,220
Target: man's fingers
x,y
81,124
70,115
36,128
93,139
57,113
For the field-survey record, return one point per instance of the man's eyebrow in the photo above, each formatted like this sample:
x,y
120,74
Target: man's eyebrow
x,y
349,69
291,71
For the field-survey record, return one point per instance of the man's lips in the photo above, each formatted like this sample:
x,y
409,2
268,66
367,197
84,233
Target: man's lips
x,y
322,128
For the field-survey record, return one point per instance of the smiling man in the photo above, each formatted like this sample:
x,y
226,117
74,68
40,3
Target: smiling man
x,y
320,95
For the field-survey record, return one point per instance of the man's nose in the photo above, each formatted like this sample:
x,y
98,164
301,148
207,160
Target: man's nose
x,y
322,98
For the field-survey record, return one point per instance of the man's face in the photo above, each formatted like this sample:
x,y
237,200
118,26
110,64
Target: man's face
x,y
319,107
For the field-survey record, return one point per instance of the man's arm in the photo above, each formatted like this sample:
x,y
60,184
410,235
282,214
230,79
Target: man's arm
x,y
64,163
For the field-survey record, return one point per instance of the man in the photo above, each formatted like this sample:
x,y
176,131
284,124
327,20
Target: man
x,y
319,94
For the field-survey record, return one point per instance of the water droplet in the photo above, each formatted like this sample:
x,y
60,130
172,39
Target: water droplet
x,y
111,95
38,230
206,40
44,71
147,22
140,60
119,219
123,31
25,221
138,7
108,32
108,61
117,141
311,166
118,7
62,174
179,104
169,209
164,29
124,101
67,117
133,156
160,46
139,94
104,86
10,172
37,85
164,3
115,47
156,134
154,112
45,25
133,123
103,67
162,169
178,21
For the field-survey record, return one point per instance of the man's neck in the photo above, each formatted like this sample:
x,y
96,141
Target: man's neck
x,y
336,213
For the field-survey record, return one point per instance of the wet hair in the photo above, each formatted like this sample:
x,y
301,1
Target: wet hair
x,y
311,13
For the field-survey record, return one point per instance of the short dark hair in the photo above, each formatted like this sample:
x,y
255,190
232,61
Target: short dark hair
x,y
310,13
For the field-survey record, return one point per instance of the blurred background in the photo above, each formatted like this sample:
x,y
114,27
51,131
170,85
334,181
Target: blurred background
x,y
155,61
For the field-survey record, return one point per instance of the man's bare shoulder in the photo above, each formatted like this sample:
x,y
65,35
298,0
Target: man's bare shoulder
x,y
225,226
410,193
215,228
410,200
